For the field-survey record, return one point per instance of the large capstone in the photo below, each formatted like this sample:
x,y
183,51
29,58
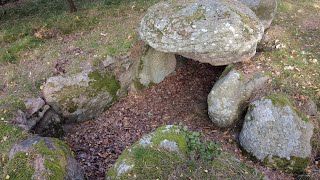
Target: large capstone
x,y
264,9
277,134
215,32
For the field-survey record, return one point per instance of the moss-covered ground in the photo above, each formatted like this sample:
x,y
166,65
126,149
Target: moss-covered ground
x,y
9,135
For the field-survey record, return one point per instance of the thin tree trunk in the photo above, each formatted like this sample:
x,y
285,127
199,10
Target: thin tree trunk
x,y
72,6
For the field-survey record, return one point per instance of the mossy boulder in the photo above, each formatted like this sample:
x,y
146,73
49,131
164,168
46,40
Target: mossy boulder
x,y
167,143
9,135
41,158
165,154
217,32
277,134
155,66
264,9
82,96
229,96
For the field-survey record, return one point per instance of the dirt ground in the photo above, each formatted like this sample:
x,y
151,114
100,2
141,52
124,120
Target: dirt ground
x,y
182,97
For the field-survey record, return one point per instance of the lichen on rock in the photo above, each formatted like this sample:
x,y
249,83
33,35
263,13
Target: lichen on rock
x,y
82,96
264,9
164,154
229,96
275,134
215,32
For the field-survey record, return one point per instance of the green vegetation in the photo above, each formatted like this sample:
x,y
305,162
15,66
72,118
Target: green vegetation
x,y
9,135
203,159
206,150
37,36
104,81
295,165
295,64
152,160
52,153
55,160
19,167
281,100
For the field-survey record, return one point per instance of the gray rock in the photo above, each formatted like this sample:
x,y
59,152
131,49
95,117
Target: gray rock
x,y
229,96
264,9
44,154
309,108
166,139
216,32
33,105
275,134
110,60
82,96
155,66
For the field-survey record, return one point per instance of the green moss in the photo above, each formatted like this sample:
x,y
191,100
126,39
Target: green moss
x,y
72,107
9,135
295,165
282,100
19,167
54,153
172,134
161,163
104,81
279,100
138,85
55,159
68,93
151,163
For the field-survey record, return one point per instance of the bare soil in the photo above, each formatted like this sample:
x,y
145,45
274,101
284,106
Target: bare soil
x,y
182,97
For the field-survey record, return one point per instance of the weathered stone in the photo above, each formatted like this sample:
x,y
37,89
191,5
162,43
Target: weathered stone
x,y
166,139
264,9
229,97
42,158
82,96
309,108
276,134
33,105
155,66
215,32
165,153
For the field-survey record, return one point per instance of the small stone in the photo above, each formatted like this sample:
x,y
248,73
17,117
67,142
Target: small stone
x,y
309,108
110,60
33,105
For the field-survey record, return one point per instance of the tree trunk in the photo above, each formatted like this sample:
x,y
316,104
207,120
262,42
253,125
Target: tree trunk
x,y
72,7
